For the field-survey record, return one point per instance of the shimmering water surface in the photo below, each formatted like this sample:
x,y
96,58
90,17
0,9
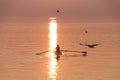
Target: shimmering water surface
x,y
19,42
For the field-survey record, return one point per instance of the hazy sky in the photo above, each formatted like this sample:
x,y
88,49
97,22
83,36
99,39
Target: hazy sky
x,y
87,9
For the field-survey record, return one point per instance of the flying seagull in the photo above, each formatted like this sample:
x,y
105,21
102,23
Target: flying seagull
x,y
86,31
90,45
58,11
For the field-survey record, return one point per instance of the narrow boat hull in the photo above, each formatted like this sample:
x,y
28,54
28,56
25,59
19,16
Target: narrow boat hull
x,y
58,53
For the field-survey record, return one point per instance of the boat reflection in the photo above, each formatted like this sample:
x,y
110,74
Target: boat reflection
x,y
52,62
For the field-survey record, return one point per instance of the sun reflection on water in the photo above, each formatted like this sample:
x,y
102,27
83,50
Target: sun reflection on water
x,y
52,63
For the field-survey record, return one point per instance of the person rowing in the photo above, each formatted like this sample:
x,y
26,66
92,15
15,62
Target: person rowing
x,y
58,52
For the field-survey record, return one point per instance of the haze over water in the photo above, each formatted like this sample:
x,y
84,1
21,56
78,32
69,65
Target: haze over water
x,y
26,29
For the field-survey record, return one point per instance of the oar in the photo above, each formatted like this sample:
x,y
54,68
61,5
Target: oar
x,y
42,52
74,51
85,52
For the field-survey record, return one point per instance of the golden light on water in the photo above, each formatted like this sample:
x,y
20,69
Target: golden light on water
x,y
52,63
52,34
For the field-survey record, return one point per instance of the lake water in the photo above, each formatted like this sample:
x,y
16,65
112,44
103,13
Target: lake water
x,y
19,42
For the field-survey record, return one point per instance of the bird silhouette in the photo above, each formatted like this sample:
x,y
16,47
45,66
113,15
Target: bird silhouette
x,y
58,11
86,31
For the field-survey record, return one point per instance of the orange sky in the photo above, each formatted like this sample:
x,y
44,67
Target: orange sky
x,y
81,9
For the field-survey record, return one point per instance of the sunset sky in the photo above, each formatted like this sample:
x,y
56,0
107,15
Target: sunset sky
x,y
79,9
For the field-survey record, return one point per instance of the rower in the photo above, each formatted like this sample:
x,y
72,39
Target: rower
x,y
58,52
57,48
